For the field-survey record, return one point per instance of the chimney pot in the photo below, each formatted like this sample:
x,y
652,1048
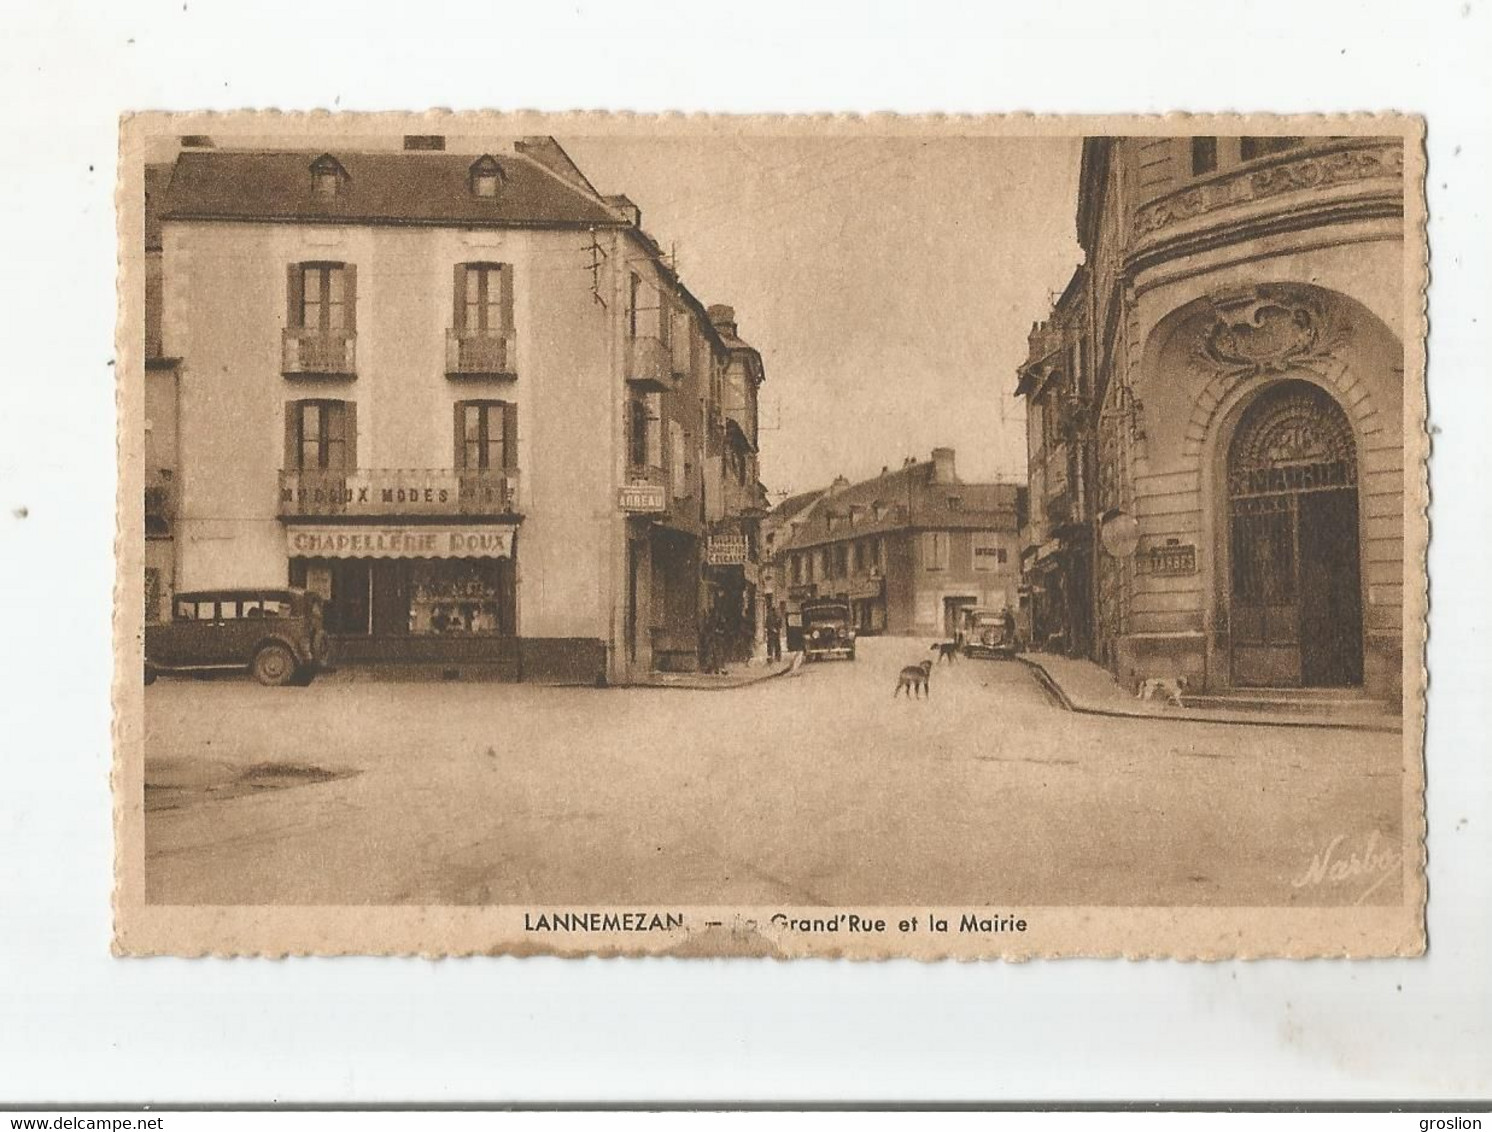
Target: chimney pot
x,y
943,471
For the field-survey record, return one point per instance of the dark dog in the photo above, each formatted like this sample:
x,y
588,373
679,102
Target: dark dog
x,y
914,678
947,650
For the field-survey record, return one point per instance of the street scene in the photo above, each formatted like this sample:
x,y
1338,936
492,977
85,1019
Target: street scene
x,y
1006,521
814,787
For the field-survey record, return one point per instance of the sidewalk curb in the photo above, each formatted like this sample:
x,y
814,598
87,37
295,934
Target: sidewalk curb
x,y
745,683
1049,684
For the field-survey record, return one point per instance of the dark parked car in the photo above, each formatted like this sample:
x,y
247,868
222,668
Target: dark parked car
x,y
277,635
990,633
827,629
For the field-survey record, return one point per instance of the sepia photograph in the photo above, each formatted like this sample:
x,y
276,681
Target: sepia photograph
x,y
803,536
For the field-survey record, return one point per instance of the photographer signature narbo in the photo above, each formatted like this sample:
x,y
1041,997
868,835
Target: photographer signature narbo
x,y
1339,864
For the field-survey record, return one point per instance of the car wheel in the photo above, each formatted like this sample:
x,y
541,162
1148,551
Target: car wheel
x,y
149,675
274,665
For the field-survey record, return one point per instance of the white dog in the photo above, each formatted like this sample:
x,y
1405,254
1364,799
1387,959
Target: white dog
x,y
1161,687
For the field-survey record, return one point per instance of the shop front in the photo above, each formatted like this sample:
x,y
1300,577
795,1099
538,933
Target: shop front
x,y
731,582
415,593
868,605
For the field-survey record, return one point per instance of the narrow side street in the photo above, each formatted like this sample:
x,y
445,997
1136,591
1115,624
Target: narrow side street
x,y
808,788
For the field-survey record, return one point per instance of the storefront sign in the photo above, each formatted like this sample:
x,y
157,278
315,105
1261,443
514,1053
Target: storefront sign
x,y
727,550
484,541
643,498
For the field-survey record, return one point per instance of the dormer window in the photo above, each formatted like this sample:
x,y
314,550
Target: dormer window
x,y
486,177
327,176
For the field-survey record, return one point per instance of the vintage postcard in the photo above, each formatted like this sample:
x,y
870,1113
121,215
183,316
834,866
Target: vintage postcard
x,y
868,537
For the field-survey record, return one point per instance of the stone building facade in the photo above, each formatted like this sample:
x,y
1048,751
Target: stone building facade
x,y
908,549
1242,311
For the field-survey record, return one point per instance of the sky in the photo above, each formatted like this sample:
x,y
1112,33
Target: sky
x,y
889,283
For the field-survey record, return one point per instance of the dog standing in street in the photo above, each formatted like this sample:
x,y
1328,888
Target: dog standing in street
x,y
914,678
947,650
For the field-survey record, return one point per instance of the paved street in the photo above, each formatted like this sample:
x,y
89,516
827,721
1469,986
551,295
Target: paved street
x,y
816,787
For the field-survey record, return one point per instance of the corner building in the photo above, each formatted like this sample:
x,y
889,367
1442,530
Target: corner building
x,y
1241,323
451,392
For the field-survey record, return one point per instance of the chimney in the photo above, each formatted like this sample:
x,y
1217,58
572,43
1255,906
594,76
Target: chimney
x,y
624,205
424,141
197,141
839,484
942,459
885,468
723,318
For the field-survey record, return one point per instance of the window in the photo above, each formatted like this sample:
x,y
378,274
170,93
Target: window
x,y
841,560
859,557
485,435
634,295
321,297
989,555
486,177
327,176
1250,148
1204,156
193,610
935,550
880,555
484,297
320,435
955,503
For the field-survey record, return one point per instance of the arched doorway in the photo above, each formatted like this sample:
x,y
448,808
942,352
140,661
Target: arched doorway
x,y
1295,601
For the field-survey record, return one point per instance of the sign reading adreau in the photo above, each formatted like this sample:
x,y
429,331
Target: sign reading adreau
x,y
485,541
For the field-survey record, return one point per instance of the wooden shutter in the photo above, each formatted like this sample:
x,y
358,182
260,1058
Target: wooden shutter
x,y
510,431
294,295
458,298
458,460
506,273
349,297
292,436
349,435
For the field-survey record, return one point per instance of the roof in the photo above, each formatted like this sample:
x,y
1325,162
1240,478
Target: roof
x,y
908,498
379,188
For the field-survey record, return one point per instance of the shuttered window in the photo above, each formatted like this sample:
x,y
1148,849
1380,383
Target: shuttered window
x,y
935,550
321,435
486,435
322,297
484,297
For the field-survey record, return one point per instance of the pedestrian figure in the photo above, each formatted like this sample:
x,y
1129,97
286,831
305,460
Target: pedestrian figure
x,y
774,635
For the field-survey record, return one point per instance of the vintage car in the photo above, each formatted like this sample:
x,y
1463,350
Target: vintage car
x,y
827,629
276,635
990,633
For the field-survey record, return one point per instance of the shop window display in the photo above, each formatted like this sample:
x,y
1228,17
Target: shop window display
x,y
455,597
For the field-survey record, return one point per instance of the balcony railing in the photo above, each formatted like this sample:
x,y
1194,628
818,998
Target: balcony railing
x,y
480,353
385,493
650,364
317,352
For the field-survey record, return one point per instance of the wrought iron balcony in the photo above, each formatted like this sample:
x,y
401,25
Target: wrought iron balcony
x,y
318,353
650,365
480,353
386,493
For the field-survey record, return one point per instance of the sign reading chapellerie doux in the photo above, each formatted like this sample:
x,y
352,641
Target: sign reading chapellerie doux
x,y
484,541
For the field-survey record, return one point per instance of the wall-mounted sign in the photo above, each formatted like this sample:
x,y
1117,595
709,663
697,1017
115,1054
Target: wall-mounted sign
x,y
727,550
643,498
476,541
1173,560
